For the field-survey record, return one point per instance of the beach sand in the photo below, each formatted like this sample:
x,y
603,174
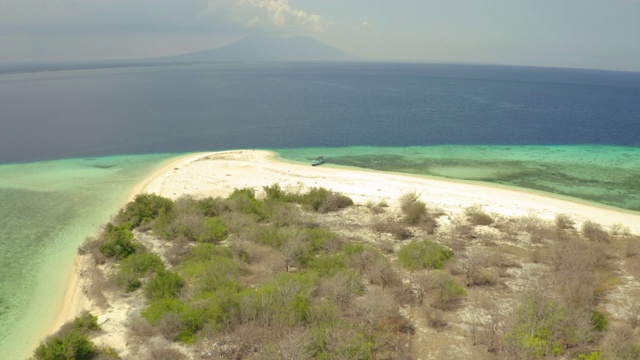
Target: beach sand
x,y
219,173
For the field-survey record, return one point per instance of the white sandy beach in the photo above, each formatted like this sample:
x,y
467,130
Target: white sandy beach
x,y
219,173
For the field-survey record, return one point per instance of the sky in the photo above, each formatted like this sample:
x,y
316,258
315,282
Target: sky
x,y
601,34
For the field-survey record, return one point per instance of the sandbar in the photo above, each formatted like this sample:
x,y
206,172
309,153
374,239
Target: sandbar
x,y
219,173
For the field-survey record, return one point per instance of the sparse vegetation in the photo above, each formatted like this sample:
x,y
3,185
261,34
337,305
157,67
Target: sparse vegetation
x,y
277,275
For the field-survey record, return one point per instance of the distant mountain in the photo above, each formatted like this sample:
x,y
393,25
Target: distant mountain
x,y
265,48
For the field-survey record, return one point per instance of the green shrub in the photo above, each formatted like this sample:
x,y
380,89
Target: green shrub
x,y
165,284
599,321
244,201
86,322
217,274
424,254
273,236
318,238
212,206
135,266
340,341
206,251
323,200
211,230
446,287
119,242
144,208
70,346
141,264
275,193
327,265
538,325
284,300
159,307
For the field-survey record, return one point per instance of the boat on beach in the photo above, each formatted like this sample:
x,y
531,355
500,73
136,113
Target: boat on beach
x,y
318,161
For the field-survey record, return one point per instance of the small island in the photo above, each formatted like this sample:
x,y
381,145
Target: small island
x,y
239,255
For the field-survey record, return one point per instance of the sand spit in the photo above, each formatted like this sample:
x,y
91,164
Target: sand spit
x,y
219,173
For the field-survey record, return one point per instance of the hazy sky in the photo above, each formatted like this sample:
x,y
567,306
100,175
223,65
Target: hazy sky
x,y
566,33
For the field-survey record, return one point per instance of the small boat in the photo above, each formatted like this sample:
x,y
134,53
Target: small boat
x,y
317,161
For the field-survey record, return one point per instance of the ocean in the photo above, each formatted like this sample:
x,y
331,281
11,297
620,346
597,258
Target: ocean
x,y
73,142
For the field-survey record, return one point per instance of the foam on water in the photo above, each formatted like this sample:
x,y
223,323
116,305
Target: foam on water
x,y
47,209
604,174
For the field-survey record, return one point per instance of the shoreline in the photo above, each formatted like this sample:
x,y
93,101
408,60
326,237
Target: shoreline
x,y
74,301
219,173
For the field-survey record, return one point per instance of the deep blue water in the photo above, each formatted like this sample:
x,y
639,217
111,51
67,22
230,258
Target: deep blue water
x,y
152,109
383,116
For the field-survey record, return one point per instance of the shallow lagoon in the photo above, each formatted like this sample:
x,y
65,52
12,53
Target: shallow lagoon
x,y
604,174
47,209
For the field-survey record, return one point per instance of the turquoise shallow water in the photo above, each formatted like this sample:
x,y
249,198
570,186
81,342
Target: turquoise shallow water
x,y
47,209
604,174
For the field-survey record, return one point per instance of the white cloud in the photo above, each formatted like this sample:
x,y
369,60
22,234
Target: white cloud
x,y
281,14
365,24
76,16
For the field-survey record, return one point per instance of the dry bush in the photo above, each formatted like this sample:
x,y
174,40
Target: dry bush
x,y
476,216
574,263
633,247
245,226
594,232
293,345
537,228
285,214
486,235
632,265
413,208
97,282
390,226
446,293
178,251
474,266
564,222
91,246
620,230
334,202
139,328
435,318
374,306
188,225
341,289
378,208
457,233
621,343
387,246
170,326
163,351
634,316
